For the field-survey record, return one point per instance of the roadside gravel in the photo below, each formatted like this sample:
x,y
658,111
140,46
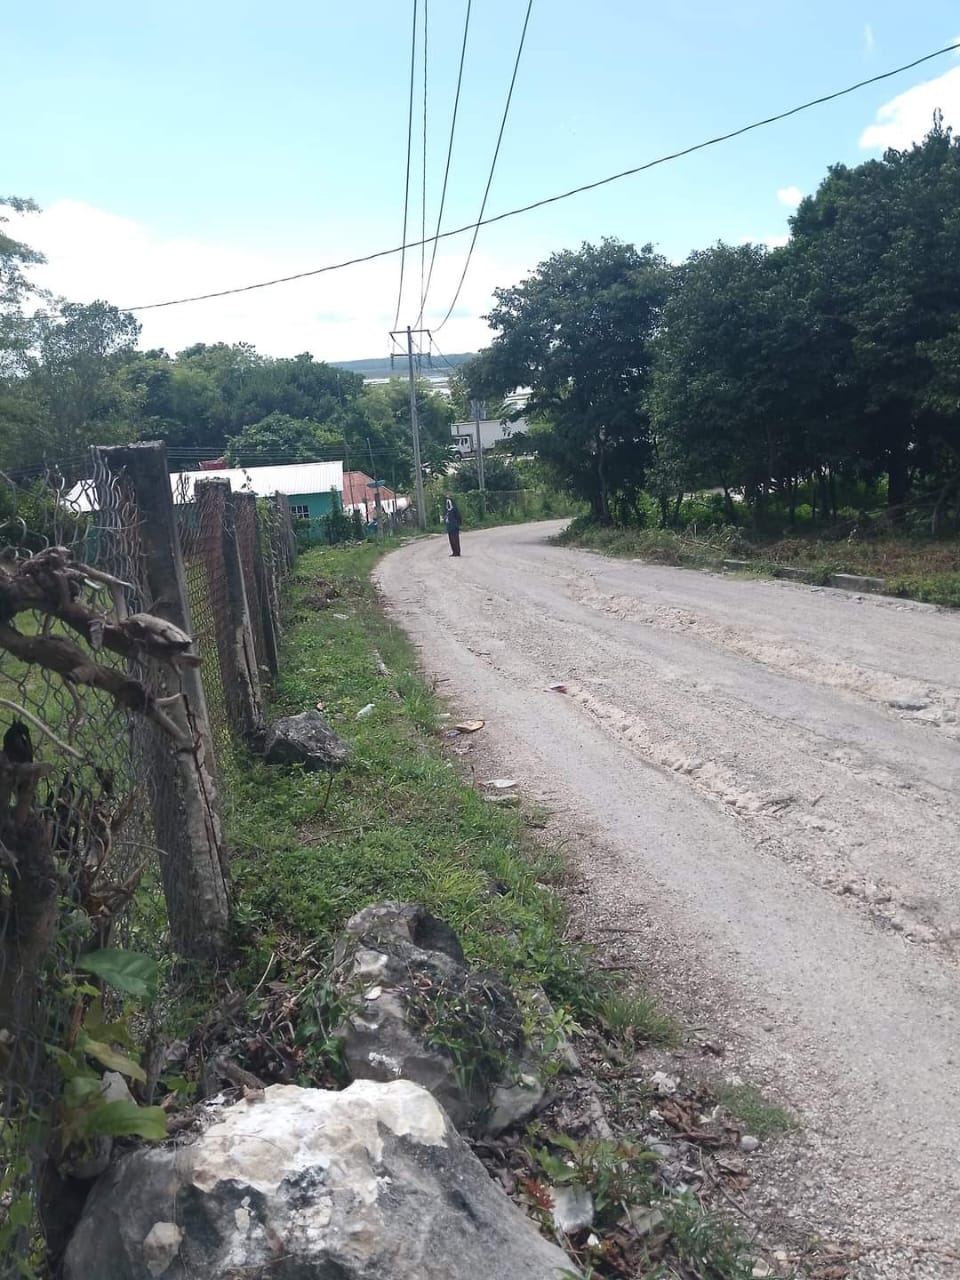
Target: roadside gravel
x,y
757,782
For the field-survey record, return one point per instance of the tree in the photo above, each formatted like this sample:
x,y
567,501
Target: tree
x,y
499,474
579,333
880,247
729,398
279,438
71,374
17,410
381,416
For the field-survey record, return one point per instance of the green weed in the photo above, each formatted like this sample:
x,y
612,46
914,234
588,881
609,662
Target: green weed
x,y
636,1019
757,1114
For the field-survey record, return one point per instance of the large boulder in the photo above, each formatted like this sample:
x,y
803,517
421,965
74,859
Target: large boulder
x,y
308,740
372,1183
416,1011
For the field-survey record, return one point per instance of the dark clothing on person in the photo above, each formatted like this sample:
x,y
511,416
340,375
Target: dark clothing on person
x,y
453,522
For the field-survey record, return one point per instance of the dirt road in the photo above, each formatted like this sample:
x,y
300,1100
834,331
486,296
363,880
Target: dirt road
x,y
761,782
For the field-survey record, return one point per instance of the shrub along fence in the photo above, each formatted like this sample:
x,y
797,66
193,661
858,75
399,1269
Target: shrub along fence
x,y
136,629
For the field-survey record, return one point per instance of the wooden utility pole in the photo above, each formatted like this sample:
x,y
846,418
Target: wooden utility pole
x,y
415,423
480,411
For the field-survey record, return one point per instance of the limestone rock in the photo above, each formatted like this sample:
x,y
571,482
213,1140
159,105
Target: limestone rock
x,y
373,1183
308,740
415,1011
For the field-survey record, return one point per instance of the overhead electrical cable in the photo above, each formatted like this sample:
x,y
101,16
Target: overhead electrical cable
x,y
423,194
493,166
554,199
406,186
446,170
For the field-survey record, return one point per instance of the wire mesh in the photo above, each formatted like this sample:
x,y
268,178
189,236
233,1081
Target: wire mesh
x,y
89,806
77,848
247,544
200,529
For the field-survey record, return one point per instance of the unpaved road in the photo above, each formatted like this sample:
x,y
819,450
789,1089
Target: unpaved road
x,y
760,782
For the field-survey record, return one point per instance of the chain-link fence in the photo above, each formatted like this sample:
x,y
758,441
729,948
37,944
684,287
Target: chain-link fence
x,y
135,628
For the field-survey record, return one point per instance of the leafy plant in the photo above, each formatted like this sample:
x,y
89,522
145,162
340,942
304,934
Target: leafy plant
x,y
617,1174
86,1111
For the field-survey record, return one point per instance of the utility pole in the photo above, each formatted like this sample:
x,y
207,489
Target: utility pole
x,y
415,423
376,490
480,411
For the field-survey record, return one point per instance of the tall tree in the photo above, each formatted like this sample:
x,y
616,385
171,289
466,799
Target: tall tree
x,y
579,333
880,245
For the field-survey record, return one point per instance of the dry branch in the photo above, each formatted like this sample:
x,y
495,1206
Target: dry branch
x,y
51,582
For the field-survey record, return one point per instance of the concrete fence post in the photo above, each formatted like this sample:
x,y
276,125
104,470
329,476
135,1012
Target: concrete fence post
x,y
181,781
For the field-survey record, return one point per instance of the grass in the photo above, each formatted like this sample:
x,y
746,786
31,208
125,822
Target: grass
x,y
399,823
914,567
759,1116
637,1019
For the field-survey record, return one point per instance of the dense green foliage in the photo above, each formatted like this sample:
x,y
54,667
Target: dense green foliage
x,y
788,378
579,332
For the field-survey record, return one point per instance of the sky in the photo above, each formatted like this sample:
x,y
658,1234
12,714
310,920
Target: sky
x,y
184,147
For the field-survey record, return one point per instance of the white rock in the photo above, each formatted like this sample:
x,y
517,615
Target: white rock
x,y
161,1245
572,1207
664,1084
368,1183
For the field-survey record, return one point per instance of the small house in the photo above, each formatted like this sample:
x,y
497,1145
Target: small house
x,y
360,494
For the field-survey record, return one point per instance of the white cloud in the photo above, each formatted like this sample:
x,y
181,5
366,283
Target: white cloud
x,y
868,40
790,196
93,253
908,117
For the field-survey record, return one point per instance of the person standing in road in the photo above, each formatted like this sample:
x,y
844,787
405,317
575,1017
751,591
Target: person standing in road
x,y
453,521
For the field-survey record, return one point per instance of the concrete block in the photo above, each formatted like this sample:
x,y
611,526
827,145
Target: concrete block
x,y
854,582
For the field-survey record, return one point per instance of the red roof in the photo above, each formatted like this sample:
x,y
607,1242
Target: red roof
x,y
355,491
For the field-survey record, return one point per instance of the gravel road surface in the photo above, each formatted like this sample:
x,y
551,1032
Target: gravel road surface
x,y
760,783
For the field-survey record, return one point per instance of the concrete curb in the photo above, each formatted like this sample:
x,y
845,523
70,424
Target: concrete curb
x,y
840,581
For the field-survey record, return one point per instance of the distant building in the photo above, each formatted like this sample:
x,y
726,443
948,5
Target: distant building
x,y
360,495
308,485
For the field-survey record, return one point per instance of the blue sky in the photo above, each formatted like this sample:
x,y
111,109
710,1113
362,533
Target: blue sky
x,y
178,148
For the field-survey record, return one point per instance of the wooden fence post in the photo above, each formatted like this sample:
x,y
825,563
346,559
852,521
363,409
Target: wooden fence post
x,y
241,676
181,782
270,657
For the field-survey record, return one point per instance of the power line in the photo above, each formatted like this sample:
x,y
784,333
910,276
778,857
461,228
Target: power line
x,y
493,166
406,187
423,196
446,171
548,200
450,366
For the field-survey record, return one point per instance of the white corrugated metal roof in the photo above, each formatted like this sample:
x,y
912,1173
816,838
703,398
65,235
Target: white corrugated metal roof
x,y
298,477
